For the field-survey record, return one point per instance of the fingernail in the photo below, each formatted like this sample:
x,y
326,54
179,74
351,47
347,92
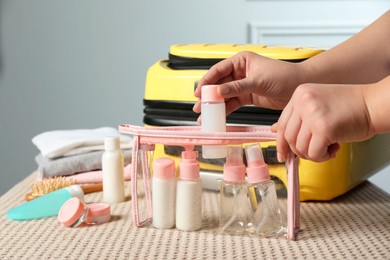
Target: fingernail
x,y
280,157
224,91
274,128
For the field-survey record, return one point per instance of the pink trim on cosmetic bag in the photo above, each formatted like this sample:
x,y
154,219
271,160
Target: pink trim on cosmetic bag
x,y
134,180
293,201
191,135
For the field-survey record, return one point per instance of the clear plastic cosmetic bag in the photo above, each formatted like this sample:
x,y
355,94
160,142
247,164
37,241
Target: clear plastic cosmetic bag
x,y
145,139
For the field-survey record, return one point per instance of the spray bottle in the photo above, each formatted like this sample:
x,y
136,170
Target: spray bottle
x,y
266,220
234,207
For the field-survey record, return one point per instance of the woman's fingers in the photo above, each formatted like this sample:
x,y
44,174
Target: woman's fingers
x,y
216,73
292,130
282,146
303,141
318,149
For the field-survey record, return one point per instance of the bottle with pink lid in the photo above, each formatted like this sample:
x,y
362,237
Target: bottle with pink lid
x,y
189,193
163,193
266,218
213,120
234,205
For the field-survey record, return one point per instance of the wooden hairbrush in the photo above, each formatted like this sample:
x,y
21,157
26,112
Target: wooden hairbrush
x,y
55,183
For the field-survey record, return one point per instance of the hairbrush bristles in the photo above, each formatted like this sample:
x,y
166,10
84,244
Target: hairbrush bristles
x,y
50,184
55,183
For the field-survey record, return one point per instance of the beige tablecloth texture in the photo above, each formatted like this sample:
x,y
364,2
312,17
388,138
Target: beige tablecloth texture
x,y
353,226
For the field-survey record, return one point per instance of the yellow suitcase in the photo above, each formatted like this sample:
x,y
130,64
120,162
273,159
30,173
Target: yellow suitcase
x,y
169,99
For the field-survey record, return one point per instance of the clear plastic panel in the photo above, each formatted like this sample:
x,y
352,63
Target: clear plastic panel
x,y
143,187
212,172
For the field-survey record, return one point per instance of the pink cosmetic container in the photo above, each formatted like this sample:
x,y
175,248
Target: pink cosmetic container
x,y
75,212
98,213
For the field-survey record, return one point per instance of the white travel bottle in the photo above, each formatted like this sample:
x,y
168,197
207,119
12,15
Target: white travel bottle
x,y
113,171
189,193
266,219
163,193
213,120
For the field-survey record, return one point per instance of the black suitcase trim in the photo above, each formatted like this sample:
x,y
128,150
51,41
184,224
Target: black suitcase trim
x,y
189,63
170,113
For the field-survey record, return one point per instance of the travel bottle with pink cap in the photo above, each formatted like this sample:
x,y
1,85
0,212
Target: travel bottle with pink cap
x,y
266,218
163,193
213,120
189,193
234,205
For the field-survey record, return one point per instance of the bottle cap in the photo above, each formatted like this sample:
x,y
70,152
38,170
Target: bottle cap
x,y
73,212
234,168
189,167
111,143
210,94
164,168
98,213
257,169
76,191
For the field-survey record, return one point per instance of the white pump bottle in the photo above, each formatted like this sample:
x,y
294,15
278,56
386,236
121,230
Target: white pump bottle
x,y
189,193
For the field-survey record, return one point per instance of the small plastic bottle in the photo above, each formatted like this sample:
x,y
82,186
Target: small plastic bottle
x,y
47,205
113,171
189,193
163,193
234,206
266,219
213,120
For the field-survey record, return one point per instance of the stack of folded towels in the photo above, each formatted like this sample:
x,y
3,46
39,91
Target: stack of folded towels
x,y
76,152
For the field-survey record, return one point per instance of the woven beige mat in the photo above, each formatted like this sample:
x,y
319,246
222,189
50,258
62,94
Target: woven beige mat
x,y
353,226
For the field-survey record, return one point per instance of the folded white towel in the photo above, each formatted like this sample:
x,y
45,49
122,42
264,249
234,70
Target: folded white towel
x,y
54,144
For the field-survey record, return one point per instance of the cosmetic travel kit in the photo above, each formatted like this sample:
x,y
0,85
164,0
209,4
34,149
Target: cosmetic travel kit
x,y
247,205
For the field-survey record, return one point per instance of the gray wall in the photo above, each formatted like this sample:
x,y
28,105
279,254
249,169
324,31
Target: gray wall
x,y
82,64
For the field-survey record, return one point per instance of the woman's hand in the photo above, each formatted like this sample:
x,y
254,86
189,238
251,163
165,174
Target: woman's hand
x,y
320,116
250,79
